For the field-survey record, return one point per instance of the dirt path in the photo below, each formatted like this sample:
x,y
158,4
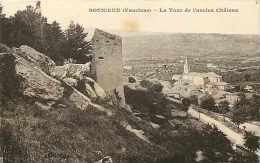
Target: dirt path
x,y
233,136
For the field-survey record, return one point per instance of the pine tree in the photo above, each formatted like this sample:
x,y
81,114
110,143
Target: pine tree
x,y
1,20
56,39
252,141
77,46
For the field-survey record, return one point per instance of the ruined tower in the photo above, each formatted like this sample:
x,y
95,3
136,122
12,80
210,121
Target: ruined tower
x,y
107,64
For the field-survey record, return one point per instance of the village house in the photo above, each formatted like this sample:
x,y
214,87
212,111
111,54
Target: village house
x,y
200,84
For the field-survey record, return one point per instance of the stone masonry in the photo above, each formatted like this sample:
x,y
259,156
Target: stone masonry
x,y
107,63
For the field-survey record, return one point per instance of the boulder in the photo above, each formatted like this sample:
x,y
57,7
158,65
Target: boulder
x,y
22,76
100,93
4,49
76,71
80,73
88,91
71,82
35,83
40,60
106,159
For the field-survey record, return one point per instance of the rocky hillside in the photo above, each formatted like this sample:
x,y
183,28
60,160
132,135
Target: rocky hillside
x,y
172,45
58,113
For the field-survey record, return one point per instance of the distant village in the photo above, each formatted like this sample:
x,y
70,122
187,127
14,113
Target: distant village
x,y
185,81
199,84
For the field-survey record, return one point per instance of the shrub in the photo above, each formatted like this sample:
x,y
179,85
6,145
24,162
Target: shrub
x,y
152,85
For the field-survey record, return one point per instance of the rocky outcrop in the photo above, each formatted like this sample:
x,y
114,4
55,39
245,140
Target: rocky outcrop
x,y
77,75
40,60
71,82
75,71
94,88
107,159
4,49
24,75
35,83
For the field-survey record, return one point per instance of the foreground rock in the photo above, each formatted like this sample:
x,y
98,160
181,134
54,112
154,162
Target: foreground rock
x,y
77,75
75,71
35,83
35,57
25,79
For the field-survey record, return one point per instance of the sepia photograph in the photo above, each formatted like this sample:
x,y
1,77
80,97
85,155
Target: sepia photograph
x,y
129,82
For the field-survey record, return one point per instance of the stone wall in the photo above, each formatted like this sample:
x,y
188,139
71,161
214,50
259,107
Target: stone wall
x,y
107,64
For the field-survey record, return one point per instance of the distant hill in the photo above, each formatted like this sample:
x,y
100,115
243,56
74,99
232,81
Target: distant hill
x,y
172,45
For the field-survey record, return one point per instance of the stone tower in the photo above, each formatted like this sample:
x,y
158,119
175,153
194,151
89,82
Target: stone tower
x,y
107,64
186,66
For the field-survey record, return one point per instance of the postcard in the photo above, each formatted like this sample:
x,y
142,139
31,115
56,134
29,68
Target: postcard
x,y
120,81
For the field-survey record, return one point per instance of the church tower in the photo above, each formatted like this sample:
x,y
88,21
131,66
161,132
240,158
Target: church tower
x,y
186,66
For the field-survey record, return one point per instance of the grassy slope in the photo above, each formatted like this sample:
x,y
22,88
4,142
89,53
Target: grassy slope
x,y
65,132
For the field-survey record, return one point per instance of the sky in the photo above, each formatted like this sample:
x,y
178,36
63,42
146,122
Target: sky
x,y
246,21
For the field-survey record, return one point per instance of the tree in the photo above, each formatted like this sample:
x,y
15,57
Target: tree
x,y
217,145
249,107
247,77
208,103
186,102
27,29
194,99
1,19
131,79
238,117
56,42
153,86
251,141
224,106
77,46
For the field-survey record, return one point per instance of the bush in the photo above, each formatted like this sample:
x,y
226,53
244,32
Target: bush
x,y
208,103
152,85
131,79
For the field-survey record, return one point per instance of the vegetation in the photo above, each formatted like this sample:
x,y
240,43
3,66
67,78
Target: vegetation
x,y
152,85
247,109
1,19
243,76
148,102
208,103
251,141
131,79
194,99
28,27
218,147
238,117
186,102
182,136
223,107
